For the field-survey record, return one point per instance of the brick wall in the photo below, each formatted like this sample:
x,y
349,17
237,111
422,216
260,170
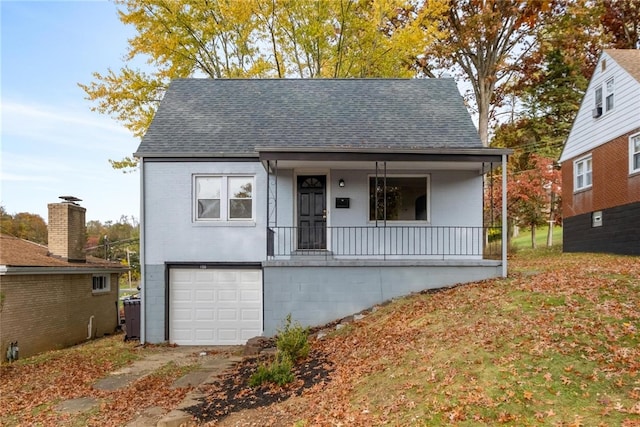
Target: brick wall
x,y
612,185
66,229
45,312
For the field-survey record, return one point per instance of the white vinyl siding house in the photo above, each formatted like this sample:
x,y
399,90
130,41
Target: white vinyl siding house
x,y
601,161
589,132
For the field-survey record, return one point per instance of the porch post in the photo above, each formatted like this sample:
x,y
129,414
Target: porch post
x,y
505,237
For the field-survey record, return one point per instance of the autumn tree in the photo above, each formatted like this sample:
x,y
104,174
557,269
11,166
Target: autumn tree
x,y
258,39
24,225
621,21
485,42
533,195
116,241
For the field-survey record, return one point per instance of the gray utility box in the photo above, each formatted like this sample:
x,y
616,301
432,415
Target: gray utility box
x,y
132,318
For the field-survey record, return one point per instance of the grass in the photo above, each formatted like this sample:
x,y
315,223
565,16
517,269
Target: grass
x,y
523,241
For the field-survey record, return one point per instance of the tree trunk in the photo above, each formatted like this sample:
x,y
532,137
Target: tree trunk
x,y
551,222
533,236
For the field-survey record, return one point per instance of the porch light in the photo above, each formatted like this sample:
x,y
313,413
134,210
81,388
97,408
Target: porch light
x,y
341,183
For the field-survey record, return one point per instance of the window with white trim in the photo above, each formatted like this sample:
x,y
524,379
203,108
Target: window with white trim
x,y
634,153
582,173
609,99
101,283
223,198
399,198
598,96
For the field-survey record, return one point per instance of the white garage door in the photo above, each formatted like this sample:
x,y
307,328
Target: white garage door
x,y
214,306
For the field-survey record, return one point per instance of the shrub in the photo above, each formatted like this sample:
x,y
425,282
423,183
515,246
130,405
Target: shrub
x,y
292,345
293,340
278,372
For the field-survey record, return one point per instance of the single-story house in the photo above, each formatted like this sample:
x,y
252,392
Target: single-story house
x,y
315,198
601,161
56,296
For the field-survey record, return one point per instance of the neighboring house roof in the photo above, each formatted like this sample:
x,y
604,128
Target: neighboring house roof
x,y
629,59
232,117
621,66
18,255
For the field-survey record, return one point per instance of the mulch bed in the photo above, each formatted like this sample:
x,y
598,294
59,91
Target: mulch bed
x,y
231,392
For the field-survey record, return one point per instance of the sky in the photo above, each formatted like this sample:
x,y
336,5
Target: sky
x,y
51,143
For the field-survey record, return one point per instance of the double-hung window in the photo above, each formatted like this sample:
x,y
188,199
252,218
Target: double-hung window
x,y
223,198
598,100
399,198
582,173
610,90
634,153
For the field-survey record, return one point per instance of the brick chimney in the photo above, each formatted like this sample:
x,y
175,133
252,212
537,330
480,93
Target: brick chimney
x,y
67,230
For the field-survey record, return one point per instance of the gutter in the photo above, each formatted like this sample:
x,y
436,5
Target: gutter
x,y
14,271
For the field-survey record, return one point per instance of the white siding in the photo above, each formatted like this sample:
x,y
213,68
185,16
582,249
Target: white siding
x,y
588,133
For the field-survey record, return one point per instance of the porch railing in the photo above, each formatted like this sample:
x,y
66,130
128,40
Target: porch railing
x,y
395,242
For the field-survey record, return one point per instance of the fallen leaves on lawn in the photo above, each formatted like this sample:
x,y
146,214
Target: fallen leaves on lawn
x,y
557,343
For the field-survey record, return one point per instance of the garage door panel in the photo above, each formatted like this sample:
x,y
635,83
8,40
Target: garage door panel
x,y
250,276
248,315
205,295
202,314
214,306
228,314
183,314
228,295
250,296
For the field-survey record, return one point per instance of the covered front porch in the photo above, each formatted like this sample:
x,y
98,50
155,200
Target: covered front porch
x,y
353,206
349,229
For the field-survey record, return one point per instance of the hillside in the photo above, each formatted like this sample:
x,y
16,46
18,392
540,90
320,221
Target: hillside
x,y
557,343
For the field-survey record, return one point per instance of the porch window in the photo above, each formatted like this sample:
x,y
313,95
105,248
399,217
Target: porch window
x,y
634,153
582,173
223,198
399,198
101,283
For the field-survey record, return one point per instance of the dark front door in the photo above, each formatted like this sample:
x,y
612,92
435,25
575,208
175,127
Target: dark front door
x,y
312,212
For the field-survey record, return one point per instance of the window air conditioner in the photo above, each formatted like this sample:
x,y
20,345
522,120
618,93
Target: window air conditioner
x,y
597,112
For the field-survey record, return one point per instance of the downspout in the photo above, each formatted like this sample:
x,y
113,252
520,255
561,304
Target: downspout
x,y
142,257
505,237
90,327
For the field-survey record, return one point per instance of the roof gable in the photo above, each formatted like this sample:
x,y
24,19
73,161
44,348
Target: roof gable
x,y
628,59
231,117
621,67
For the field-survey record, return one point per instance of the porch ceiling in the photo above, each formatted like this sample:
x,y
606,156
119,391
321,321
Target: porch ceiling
x,y
370,165
481,160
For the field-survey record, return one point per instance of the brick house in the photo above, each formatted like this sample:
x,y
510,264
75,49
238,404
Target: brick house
x,y
53,297
601,161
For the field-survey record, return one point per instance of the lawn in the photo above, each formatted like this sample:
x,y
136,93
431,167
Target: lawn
x,y
555,344
523,240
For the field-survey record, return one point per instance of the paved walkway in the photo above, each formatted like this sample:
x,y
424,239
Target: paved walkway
x,y
212,362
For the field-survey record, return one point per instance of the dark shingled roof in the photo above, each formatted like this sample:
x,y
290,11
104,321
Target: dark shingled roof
x,y
231,117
